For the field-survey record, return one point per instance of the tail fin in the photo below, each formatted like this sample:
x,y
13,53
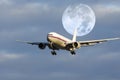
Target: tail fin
x,y
74,35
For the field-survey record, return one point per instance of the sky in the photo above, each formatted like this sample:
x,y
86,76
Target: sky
x,y
31,20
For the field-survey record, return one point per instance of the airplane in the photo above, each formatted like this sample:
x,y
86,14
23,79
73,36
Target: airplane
x,y
57,42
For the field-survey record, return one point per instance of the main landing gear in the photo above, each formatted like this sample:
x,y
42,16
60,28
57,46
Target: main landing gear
x,y
73,52
53,52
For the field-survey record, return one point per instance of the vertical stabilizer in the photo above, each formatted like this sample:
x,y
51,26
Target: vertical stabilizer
x,y
74,35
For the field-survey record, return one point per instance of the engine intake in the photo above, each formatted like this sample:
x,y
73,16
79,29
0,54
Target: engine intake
x,y
42,46
76,45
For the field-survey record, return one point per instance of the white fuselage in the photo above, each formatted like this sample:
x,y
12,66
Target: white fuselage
x,y
58,39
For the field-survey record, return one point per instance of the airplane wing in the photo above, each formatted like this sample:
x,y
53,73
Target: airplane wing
x,y
32,43
41,45
93,42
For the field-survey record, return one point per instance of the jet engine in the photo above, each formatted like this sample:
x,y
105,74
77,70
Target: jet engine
x,y
72,46
42,46
76,45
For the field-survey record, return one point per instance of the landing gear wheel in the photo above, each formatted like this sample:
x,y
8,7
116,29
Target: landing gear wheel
x,y
53,53
73,52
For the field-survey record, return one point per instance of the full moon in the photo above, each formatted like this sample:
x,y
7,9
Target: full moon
x,y
79,16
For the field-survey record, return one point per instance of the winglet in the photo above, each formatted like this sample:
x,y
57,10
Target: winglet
x,y
74,35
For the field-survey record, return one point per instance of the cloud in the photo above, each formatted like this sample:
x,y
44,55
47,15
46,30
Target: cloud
x,y
5,2
5,56
28,10
26,19
108,9
19,16
63,66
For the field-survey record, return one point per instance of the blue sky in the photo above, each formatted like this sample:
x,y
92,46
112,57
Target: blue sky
x,y
31,20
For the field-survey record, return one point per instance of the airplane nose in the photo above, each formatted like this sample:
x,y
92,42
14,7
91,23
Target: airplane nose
x,y
49,34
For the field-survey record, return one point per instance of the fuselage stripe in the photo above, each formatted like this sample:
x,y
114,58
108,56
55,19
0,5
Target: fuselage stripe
x,y
58,38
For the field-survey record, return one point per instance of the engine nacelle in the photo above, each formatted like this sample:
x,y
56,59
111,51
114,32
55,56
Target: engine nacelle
x,y
42,46
73,46
76,45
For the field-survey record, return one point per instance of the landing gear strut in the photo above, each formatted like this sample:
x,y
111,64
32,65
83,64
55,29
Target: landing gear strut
x,y
53,53
73,52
